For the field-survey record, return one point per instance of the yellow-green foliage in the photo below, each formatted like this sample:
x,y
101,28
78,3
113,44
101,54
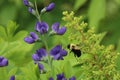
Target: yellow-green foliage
x,y
98,61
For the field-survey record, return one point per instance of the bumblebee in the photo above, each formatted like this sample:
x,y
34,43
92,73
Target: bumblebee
x,y
75,49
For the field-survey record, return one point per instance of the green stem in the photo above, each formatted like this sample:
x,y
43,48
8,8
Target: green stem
x,y
37,12
49,58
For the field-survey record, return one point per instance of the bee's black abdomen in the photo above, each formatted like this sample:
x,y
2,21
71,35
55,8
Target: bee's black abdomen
x,y
76,52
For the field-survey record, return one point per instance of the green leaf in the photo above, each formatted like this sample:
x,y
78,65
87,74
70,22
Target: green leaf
x,y
12,72
96,12
79,3
20,35
29,72
3,35
68,70
11,28
3,73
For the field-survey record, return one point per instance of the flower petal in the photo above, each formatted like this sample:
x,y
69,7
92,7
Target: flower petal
x,y
34,36
63,53
44,24
37,28
55,27
61,77
41,52
29,40
12,78
25,2
55,50
41,67
57,57
41,27
35,57
61,31
4,62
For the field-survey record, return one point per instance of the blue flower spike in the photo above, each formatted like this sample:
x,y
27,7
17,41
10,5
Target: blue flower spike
x,y
32,38
41,27
57,30
58,53
3,61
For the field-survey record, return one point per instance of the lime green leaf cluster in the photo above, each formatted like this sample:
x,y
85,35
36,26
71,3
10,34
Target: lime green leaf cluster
x,y
97,62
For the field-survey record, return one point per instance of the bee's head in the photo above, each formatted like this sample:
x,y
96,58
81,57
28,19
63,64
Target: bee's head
x,y
68,46
71,46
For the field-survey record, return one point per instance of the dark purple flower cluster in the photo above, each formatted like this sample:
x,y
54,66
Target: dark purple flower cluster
x,y
32,38
57,30
3,61
57,53
39,55
41,27
62,77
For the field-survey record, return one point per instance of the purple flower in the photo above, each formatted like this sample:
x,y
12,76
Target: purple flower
x,y
41,27
26,2
51,78
57,30
61,77
58,53
72,78
3,61
50,7
32,38
41,67
38,56
12,78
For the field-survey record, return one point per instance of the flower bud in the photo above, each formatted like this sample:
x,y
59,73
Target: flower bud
x,y
3,61
32,11
50,7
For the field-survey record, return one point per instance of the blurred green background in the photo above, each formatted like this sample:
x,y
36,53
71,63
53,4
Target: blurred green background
x,y
103,15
